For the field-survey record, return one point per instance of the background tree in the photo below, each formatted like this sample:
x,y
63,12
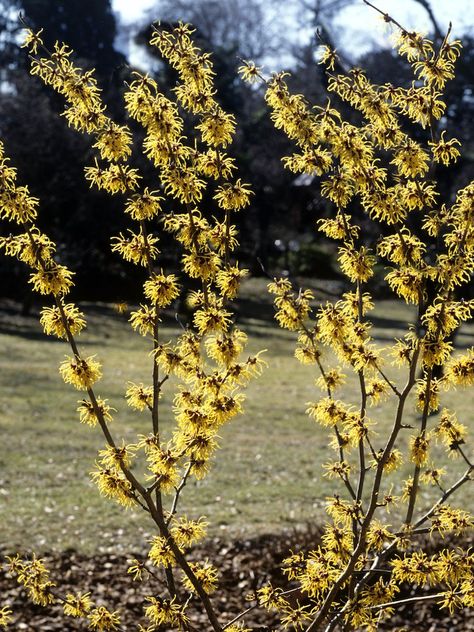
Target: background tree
x,y
41,145
235,30
249,29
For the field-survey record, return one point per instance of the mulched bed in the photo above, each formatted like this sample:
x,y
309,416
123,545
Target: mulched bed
x,y
244,566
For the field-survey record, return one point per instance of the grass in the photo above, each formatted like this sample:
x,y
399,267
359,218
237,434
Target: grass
x,y
267,476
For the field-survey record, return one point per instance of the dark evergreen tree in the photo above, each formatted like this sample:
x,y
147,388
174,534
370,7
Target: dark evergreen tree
x,y
49,156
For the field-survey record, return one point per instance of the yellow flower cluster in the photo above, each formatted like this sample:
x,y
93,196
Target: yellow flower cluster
x,y
52,319
113,484
32,247
34,577
49,278
82,373
206,357
377,166
162,611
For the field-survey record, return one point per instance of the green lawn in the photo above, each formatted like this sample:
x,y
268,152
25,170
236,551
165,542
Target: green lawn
x,y
266,477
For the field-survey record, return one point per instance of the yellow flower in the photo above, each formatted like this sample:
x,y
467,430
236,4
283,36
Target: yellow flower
x,y
332,379
269,596
32,41
77,605
224,407
378,534
393,461
137,570
419,449
53,324
315,161
161,289
199,445
337,228
339,188
182,183
328,57
435,70
423,393
82,373
114,142
201,265
161,459
249,71
229,279
17,205
383,205
377,390
448,518
139,397
413,45
433,475
445,151
103,620
90,119
318,573
5,616
292,310
411,160
116,178
357,427
226,347
450,431
138,248
116,457
357,265
160,553
451,600
233,196
112,484
217,128
461,370
296,616
211,320
306,354
408,283
337,468
402,248
162,611
34,576
417,195
215,164
53,279
205,573
143,320
168,358
328,411
143,205
187,532
443,317
87,411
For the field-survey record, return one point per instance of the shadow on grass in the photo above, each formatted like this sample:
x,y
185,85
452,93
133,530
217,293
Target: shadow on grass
x,y
14,323
253,309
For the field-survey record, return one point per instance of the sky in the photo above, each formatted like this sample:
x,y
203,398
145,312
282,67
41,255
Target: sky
x,y
361,26
358,27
